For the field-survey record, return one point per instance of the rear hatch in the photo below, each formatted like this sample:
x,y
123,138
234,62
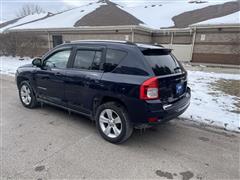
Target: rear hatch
x,y
171,75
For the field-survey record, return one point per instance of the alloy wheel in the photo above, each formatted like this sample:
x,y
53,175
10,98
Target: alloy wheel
x,y
110,123
26,94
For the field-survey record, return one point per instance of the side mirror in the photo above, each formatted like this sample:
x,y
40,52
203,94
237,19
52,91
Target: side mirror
x,y
37,62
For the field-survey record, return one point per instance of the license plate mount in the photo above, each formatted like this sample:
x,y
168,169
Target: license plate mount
x,y
179,88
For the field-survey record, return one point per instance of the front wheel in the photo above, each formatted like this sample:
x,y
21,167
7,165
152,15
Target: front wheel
x,y
27,95
113,123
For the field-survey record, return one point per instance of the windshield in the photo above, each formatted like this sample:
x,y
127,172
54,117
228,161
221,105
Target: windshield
x,y
162,62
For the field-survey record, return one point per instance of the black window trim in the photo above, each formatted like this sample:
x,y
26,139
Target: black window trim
x,y
56,51
88,48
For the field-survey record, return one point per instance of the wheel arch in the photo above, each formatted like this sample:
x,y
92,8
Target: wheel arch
x,y
106,99
21,79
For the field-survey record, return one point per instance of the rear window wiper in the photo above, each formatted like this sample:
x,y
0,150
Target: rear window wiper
x,y
177,68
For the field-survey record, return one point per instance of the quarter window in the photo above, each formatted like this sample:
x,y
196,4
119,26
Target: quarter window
x,y
58,59
113,58
87,59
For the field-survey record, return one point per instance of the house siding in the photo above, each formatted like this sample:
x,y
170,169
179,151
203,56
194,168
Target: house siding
x,y
217,45
142,37
110,36
211,45
161,39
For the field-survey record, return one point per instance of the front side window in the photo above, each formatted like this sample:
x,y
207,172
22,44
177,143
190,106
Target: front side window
x,y
113,58
58,59
87,59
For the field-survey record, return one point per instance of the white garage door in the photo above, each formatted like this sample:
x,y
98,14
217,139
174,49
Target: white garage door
x,y
181,51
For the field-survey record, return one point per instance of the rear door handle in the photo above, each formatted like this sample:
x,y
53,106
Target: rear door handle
x,y
58,74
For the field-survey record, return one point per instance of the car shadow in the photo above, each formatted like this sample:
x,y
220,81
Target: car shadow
x,y
160,133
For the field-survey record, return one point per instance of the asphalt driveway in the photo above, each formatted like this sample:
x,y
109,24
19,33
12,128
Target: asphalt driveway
x,y
48,143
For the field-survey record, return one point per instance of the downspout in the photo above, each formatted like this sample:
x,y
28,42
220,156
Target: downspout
x,y
132,34
171,43
49,43
193,42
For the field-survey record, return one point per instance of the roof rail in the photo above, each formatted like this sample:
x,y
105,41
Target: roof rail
x,y
98,40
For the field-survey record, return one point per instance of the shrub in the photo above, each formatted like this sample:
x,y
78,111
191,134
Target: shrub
x,y
22,44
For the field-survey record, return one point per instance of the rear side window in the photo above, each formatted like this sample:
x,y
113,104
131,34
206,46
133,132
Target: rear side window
x,y
87,59
161,62
113,58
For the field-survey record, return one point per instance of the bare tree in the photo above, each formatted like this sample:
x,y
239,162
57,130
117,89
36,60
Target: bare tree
x,y
29,9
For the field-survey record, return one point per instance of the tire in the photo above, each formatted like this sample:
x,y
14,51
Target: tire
x,y
120,120
26,95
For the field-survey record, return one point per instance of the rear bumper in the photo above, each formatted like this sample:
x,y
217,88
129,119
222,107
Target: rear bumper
x,y
164,112
167,112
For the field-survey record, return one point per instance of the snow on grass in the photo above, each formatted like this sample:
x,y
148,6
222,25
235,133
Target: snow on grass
x,y
210,106
233,18
9,65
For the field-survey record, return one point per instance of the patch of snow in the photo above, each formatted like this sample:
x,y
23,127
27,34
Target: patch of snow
x,y
161,15
9,65
65,19
24,20
209,106
233,18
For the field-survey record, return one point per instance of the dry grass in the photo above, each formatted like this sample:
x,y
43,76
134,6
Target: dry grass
x,y
230,87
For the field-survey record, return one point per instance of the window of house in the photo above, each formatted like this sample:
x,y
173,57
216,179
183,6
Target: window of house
x,y
113,58
57,40
87,59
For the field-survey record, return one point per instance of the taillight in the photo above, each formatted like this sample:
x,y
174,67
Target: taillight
x,y
152,119
149,89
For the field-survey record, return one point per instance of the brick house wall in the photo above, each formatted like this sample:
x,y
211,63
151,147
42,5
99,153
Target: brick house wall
x,y
217,45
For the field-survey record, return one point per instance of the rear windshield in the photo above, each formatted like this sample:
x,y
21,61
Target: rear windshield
x,y
161,61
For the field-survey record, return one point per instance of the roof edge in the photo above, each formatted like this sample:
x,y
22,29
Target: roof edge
x,y
122,27
215,25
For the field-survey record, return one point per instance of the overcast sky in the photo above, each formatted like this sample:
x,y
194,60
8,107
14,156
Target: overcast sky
x,y
9,8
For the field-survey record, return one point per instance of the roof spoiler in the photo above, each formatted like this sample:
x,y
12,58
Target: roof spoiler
x,y
162,51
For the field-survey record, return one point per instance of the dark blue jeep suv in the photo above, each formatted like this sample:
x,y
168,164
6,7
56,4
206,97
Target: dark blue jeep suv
x,y
120,85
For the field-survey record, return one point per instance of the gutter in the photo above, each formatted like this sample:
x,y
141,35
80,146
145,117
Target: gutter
x,y
209,26
97,28
172,30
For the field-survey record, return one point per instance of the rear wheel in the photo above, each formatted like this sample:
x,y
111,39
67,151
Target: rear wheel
x,y
27,95
113,123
